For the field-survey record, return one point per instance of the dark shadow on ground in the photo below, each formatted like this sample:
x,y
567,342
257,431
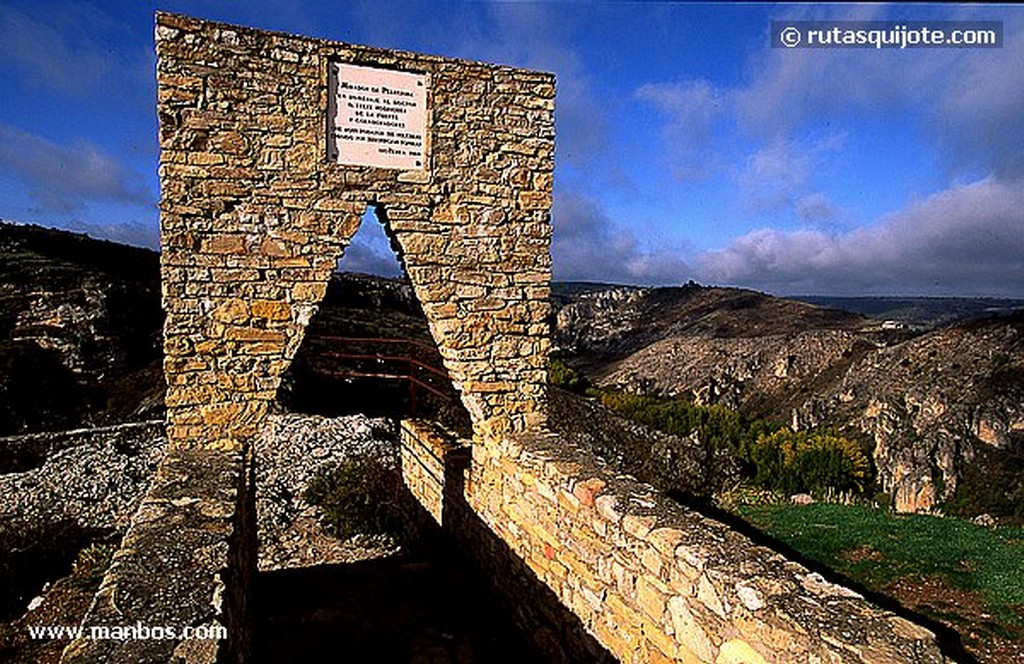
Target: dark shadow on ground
x,y
415,607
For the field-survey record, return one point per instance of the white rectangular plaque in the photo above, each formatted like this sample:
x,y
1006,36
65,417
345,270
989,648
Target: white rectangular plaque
x,y
377,117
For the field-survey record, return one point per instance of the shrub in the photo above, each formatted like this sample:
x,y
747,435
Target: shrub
x,y
809,461
357,496
718,431
745,495
717,427
777,458
91,564
564,376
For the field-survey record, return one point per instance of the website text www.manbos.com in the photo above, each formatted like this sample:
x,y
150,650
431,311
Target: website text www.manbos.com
x,y
134,632
887,34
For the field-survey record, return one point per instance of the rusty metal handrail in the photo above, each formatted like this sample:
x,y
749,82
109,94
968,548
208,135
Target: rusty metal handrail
x,y
410,361
389,358
383,340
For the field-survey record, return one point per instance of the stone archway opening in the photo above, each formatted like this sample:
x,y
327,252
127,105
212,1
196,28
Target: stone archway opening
x,y
368,348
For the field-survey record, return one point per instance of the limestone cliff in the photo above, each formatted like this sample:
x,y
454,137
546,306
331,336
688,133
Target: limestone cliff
x,y
931,405
929,402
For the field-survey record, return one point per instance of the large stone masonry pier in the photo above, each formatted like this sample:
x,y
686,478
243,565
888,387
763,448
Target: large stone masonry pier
x,y
271,148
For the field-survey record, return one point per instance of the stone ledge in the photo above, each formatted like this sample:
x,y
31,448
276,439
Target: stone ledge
x,y
177,566
30,450
652,579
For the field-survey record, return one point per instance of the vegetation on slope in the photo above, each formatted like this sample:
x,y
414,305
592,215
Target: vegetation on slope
x,y
964,575
770,455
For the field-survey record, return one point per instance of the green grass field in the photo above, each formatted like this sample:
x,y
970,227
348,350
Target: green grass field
x,y
879,549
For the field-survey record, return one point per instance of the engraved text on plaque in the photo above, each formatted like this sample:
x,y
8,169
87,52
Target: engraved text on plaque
x,y
378,117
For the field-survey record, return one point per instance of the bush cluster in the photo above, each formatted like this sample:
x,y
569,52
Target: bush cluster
x,y
773,456
358,496
564,376
717,427
812,462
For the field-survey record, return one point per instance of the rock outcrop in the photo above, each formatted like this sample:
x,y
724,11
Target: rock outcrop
x,y
930,405
79,324
927,402
59,491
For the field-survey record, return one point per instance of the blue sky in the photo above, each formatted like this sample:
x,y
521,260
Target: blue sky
x,y
687,148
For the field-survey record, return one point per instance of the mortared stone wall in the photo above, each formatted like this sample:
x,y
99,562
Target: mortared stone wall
x,y
255,215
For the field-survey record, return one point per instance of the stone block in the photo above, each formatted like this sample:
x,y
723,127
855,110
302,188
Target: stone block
x,y
737,651
608,507
651,596
638,525
223,244
271,309
587,490
232,310
688,630
710,597
665,540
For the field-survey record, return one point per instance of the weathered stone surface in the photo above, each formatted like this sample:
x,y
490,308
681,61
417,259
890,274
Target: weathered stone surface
x,y
94,478
688,630
650,580
293,450
254,217
739,652
188,535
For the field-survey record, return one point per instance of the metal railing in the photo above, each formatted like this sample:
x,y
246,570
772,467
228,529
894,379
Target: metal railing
x,y
388,358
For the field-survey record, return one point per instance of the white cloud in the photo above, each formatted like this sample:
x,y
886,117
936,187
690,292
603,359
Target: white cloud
x,y
968,239
816,209
692,108
63,178
969,100
370,251
46,57
69,49
588,247
366,259
978,116
778,174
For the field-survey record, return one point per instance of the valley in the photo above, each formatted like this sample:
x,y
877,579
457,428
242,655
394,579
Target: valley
x,y
936,403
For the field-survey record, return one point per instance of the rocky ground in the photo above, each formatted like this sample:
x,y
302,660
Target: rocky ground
x,y
679,466
62,493
66,491
296,449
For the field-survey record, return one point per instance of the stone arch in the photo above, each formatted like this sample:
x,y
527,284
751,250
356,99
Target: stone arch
x,y
322,367
255,213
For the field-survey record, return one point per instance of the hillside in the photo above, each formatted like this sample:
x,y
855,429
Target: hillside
x,y
938,408
942,409
933,405
79,329
605,324
920,312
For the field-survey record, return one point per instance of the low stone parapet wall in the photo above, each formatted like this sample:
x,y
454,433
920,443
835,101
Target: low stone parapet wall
x,y
654,581
645,579
429,454
178,586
